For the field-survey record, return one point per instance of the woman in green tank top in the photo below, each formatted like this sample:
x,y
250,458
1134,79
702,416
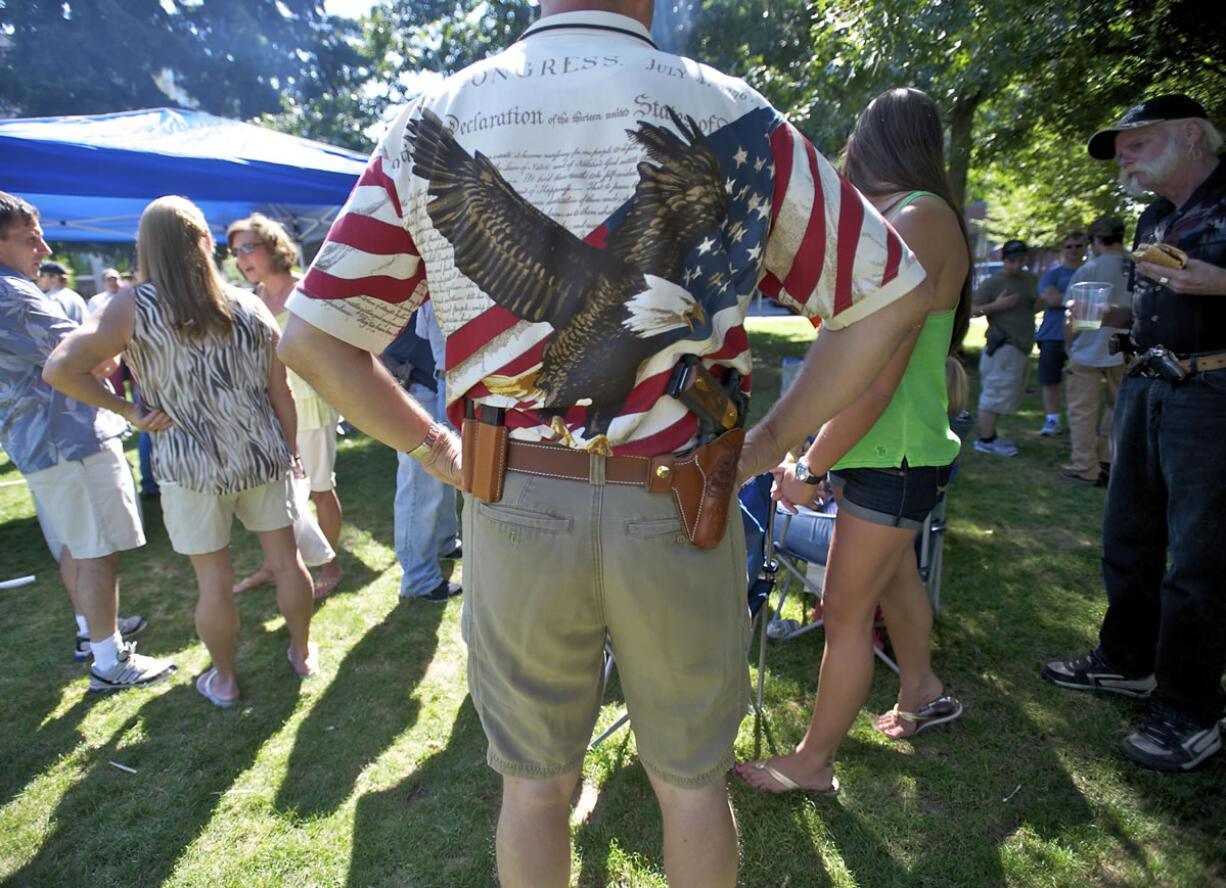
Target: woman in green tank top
x,y
890,454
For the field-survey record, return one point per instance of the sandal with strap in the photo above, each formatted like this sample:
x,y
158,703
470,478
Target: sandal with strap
x,y
934,712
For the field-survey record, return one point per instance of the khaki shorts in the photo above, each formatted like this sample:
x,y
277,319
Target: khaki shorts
x,y
89,505
199,523
553,566
317,447
1002,379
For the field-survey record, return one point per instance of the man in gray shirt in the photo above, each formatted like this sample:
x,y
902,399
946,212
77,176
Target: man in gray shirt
x,y
1094,374
1007,300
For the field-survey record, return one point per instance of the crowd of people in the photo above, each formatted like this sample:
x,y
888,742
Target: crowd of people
x,y
459,290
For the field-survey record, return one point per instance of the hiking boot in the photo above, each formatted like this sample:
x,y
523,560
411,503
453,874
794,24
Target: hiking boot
x,y
997,446
1169,742
1091,673
1050,427
127,626
132,671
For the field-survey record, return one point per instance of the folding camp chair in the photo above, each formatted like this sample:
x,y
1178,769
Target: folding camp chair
x,y
931,554
757,517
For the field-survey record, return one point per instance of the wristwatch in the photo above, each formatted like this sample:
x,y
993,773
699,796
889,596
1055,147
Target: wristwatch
x,y
803,473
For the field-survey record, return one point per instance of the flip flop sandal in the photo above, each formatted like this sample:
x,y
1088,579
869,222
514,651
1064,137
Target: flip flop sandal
x,y
312,658
790,785
204,684
934,712
322,588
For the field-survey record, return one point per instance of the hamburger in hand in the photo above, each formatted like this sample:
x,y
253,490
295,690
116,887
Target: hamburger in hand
x,y
1161,254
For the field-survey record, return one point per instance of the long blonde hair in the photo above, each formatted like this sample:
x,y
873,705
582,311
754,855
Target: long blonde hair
x,y
173,254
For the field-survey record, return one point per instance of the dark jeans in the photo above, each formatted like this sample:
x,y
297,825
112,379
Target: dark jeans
x,y
148,484
1168,493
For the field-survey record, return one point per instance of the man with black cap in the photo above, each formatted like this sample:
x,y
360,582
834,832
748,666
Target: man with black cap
x,y
1007,300
1164,633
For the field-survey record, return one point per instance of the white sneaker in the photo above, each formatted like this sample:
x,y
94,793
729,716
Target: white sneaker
x,y
127,626
1050,427
997,446
133,670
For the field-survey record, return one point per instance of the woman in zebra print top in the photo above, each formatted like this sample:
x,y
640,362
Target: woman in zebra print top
x,y
215,396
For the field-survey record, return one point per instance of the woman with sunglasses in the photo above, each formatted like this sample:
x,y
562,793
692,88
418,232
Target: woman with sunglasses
x,y
265,255
222,417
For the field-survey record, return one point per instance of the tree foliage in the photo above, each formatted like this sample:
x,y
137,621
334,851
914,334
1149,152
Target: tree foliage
x,y
1021,83
231,59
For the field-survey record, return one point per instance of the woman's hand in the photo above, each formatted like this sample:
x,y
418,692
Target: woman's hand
x,y
789,492
148,420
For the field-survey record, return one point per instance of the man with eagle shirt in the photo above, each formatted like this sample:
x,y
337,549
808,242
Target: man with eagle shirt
x,y
585,210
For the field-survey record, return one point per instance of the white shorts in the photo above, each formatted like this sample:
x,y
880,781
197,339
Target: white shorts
x,y
199,523
1002,379
89,505
317,447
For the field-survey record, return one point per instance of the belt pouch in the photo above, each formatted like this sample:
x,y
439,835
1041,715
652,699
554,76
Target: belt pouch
x,y
703,484
468,452
485,470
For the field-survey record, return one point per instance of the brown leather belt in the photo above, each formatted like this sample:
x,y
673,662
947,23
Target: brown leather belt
x,y
557,461
1203,363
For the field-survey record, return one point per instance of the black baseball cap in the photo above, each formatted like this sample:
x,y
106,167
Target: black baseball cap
x,y
1013,248
1173,106
51,267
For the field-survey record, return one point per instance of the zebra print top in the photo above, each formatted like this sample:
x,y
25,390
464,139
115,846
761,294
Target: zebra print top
x,y
226,437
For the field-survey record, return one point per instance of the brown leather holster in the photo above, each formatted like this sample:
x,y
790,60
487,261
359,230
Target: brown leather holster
x,y
702,482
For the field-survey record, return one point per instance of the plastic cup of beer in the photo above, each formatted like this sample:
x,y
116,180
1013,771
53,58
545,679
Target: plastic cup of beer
x,y
1090,299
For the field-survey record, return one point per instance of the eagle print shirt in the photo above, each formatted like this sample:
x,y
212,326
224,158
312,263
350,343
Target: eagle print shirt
x,y
583,210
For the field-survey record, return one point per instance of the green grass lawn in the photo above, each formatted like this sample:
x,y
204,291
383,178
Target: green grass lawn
x,y
374,774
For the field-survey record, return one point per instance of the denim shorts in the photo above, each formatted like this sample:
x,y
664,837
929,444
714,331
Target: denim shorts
x,y
900,497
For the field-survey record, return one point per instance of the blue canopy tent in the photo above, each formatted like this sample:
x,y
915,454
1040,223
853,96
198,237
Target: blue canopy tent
x,y
91,176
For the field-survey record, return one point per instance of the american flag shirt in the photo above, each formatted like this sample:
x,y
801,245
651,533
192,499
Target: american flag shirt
x,y
584,209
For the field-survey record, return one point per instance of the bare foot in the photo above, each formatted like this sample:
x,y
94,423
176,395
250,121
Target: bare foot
x,y
308,666
786,773
262,577
329,578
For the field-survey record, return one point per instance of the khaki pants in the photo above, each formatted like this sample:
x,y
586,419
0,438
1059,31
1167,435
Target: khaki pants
x,y
1085,388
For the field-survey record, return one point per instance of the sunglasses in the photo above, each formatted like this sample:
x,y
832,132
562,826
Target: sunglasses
x,y
245,249
1074,246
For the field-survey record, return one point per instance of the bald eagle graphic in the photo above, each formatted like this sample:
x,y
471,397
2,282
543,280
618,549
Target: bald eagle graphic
x,y
611,308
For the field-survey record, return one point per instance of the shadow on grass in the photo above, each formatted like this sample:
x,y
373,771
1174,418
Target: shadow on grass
x,y
32,742
352,724
125,828
958,796
436,827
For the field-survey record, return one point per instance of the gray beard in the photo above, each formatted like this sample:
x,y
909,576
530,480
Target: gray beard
x,y
1157,170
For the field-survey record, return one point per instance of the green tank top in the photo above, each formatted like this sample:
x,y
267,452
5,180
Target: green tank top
x,y
915,425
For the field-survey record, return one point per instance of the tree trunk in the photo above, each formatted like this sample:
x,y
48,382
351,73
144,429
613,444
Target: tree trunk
x,y
961,121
